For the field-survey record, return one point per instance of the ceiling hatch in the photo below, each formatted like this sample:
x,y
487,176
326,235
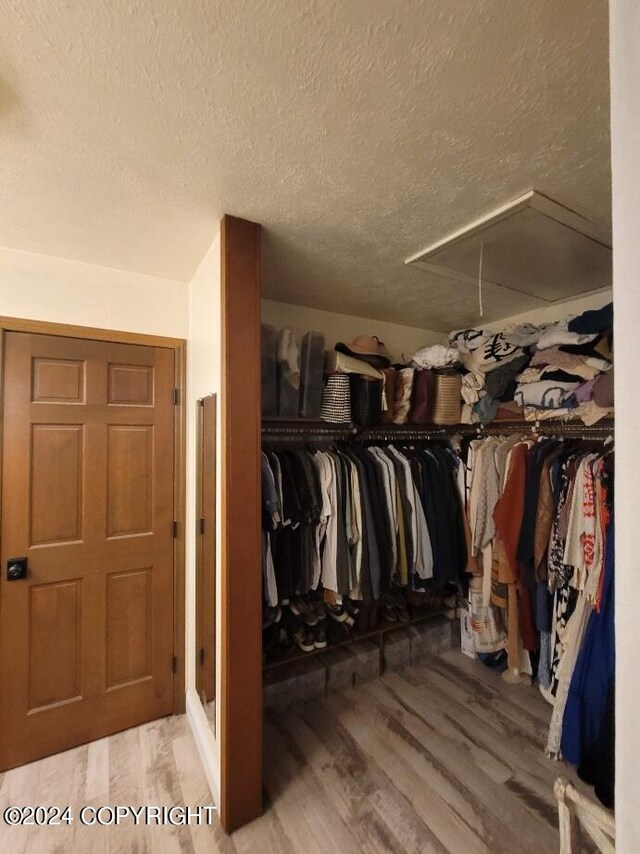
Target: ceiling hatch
x,y
532,245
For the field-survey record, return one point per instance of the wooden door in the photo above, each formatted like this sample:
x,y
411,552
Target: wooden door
x,y
86,639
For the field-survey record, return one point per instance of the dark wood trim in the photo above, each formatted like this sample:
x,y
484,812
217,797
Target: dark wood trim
x,y
180,542
206,450
199,546
241,580
178,345
44,327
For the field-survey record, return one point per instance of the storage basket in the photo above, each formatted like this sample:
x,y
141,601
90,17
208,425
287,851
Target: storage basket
x,y
448,403
311,374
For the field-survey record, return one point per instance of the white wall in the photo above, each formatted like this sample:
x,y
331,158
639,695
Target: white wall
x,y
559,311
407,339
625,121
39,287
204,378
344,327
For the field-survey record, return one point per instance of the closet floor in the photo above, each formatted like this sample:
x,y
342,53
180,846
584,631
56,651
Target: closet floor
x,y
445,757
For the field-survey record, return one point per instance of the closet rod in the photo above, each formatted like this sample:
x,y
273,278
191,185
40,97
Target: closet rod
x,y
547,428
401,436
307,433
318,431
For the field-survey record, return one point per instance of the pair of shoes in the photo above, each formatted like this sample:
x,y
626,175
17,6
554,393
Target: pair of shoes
x,y
340,614
319,609
308,638
271,615
275,636
397,599
310,613
389,608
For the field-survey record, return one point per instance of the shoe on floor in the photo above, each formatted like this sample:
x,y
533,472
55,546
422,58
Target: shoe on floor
x,y
319,610
389,610
304,610
338,612
320,636
398,600
271,615
303,638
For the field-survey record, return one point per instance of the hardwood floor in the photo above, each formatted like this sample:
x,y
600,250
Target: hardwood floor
x,y
441,758
444,758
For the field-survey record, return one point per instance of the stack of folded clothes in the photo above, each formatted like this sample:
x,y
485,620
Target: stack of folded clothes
x,y
555,370
492,361
570,375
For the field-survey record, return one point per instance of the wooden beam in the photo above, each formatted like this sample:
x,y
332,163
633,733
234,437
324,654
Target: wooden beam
x,y
241,582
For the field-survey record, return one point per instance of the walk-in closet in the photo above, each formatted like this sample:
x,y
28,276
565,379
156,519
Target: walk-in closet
x,y
438,576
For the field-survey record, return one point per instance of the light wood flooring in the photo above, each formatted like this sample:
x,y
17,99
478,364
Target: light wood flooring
x,y
441,758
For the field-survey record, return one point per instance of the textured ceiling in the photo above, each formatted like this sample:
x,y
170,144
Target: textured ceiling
x,y
357,133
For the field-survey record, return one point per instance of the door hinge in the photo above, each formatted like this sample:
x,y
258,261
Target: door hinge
x,y
174,664
202,656
201,526
174,529
176,397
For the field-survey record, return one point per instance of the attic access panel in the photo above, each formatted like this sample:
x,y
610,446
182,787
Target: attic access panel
x,y
533,246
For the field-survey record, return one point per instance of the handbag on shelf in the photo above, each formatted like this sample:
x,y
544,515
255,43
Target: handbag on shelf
x,y
336,399
402,402
393,389
366,401
422,397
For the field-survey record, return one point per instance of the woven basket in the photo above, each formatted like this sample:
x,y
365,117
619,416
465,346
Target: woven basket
x,y
448,403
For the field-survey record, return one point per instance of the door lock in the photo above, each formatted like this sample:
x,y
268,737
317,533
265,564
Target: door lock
x,y
16,568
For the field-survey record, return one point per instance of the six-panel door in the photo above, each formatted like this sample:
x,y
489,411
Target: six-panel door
x,y
87,497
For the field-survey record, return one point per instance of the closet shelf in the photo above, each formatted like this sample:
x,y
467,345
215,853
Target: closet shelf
x,y
378,633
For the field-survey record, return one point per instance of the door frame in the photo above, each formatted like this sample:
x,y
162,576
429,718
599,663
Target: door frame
x,y
178,345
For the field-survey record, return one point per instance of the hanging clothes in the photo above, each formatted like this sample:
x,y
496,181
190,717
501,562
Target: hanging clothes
x,y
353,520
552,566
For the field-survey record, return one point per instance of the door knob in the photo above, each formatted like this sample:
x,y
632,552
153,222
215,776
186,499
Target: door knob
x,y
16,568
